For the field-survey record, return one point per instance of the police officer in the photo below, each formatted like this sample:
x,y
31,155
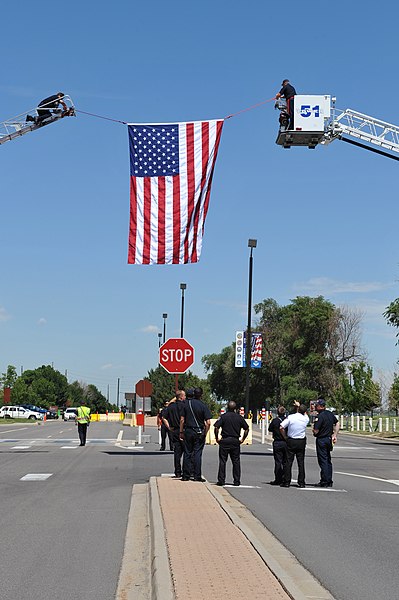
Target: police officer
x,y
279,446
325,430
171,419
194,425
163,429
83,419
231,424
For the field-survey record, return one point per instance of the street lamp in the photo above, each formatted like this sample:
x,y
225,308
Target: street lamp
x,y
183,286
159,339
252,245
164,316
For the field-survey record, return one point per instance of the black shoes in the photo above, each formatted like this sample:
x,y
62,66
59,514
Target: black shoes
x,y
323,484
220,484
201,479
274,482
286,485
301,485
236,484
185,478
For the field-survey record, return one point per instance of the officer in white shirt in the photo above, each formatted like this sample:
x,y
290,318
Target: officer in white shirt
x,y
293,430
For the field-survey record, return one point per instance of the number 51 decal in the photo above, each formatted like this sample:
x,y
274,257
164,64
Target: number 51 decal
x,y
307,110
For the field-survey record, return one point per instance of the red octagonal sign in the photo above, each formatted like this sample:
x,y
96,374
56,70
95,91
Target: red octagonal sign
x,y
176,355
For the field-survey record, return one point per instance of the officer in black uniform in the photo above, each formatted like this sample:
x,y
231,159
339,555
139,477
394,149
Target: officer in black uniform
x,y
231,424
325,430
194,425
46,107
171,419
279,446
288,91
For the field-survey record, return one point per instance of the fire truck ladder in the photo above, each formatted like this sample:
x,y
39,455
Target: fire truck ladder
x,y
369,133
17,126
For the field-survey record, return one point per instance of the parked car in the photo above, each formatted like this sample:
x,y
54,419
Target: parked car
x,y
20,412
50,414
70,414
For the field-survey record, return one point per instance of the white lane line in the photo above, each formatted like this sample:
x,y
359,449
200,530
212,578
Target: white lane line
x,y
66,447
12,430
316,489
247,487
392,493
36,476
20,447
120,435
392,481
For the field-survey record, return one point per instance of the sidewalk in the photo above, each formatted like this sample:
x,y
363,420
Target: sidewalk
x,y
208,555
216,548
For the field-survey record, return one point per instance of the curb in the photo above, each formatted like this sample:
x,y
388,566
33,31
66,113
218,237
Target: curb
x,y
162,586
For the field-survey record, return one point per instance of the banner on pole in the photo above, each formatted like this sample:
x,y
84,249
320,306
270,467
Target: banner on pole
x,y
256,350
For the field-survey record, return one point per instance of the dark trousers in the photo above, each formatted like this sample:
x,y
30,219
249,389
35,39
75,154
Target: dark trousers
x,y
290,110
280,459
178,450
82,431
295,448
193,447
166,433
323,449
229,447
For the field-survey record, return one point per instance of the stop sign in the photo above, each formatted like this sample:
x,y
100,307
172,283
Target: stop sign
x,y
176,355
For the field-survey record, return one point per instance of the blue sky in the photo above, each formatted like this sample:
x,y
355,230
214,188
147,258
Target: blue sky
x,y
325,220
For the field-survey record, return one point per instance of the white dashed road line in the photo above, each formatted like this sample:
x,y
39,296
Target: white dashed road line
x,y
36,476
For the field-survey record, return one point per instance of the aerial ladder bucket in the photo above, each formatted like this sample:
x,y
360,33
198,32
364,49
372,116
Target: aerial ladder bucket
x,y
30,120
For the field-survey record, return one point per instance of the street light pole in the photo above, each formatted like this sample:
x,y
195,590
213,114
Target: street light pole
x,y
252,245
164,316
183,286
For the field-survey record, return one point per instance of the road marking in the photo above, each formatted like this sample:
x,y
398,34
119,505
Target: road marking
x,y
12,430
120,435
317,489
381,492
65,447
392,481
20,447
36,476
248,487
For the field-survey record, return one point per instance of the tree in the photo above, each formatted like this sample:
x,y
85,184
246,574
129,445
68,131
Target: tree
x,y
392,315
305,347
164,387
393,395
366,394
8,378
43,386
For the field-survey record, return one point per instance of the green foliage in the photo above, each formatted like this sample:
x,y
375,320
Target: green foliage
x,y
305,345
164,387
8,378
393,395
392,315
364,394
43,386
47,387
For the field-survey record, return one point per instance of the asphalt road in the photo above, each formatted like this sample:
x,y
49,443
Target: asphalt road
x,y
346,536
63,537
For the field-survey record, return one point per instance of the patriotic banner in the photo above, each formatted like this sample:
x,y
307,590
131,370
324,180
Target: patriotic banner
x,y
171,169
256,349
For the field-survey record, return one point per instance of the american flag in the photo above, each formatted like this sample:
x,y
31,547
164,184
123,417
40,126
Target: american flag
x,y
171,169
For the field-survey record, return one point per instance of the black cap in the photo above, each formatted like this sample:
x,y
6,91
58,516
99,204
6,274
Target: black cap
x,y
190,393
320,402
